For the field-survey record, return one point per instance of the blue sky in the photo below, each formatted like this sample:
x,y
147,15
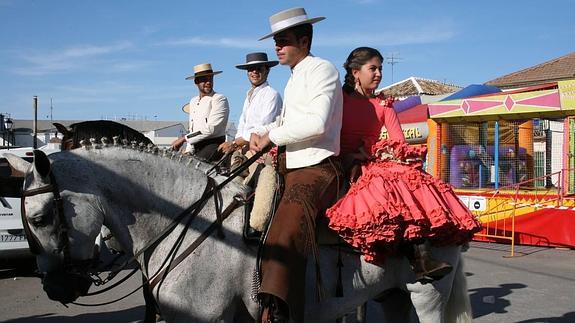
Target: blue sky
x,y
115,58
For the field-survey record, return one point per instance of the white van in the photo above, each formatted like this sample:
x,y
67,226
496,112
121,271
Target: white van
x,y
12,238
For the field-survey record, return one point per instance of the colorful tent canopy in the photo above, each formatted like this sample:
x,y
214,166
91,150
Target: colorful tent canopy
x,y
550,100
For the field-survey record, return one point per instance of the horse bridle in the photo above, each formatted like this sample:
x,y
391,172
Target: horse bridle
x,y
79,267
63,246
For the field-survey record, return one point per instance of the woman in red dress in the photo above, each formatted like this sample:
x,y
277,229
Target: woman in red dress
x,y
393,205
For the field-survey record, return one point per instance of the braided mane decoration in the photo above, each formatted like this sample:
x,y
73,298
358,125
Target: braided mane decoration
x,y
151,149
85,134
98,129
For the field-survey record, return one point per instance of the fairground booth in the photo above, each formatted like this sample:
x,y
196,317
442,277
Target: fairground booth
x,y
510,156
508,149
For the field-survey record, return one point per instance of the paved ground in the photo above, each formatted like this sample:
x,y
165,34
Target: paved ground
x,y
538,285
535,286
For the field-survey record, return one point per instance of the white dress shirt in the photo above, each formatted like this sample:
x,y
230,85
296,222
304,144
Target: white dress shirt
x,y
310,123
262,108
208,116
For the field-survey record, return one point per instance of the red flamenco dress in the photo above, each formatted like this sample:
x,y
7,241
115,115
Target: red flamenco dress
x,y
395,201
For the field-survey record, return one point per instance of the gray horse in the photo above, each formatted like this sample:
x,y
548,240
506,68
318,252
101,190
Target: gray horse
x,y
136,195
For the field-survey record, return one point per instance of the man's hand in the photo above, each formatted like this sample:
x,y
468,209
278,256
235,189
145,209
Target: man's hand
x,y
177,144
258,143
227,147
254,138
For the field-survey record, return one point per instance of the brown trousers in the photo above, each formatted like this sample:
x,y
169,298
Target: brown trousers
x,y
308,191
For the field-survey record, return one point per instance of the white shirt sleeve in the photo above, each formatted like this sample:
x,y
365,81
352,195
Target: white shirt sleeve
x,y
242,121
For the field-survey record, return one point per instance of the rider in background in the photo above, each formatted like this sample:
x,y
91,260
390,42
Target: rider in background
x,y
393,205
261,106
209,113
307,134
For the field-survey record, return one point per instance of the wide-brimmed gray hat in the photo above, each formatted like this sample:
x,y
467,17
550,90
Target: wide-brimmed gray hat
x,y
255,59
289,18
203,70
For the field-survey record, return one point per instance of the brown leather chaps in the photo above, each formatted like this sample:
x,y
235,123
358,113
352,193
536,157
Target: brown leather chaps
x,y
291,237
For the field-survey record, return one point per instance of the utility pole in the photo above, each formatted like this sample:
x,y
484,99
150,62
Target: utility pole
x,y
392,60
51,108
35,143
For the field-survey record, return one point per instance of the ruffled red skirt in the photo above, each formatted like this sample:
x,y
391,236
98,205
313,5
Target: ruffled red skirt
x,y
395,201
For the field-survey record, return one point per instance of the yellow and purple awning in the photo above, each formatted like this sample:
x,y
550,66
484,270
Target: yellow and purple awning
x,y
550,100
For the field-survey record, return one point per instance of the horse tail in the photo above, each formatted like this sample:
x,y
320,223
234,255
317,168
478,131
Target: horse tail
x,y
458,307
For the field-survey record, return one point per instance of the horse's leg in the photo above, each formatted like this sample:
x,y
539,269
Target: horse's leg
x,y
429,299
458,308
396,305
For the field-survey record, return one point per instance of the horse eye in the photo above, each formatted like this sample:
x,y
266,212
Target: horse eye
x,y
38,221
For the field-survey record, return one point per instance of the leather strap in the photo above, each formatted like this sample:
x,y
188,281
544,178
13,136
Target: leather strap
x,y
153,281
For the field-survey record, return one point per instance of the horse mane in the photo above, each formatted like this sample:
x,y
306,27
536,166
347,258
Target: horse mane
x,y
149,149
101,128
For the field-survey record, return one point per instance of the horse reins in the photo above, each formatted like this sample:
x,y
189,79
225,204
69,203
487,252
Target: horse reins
x,y
193,210
171,261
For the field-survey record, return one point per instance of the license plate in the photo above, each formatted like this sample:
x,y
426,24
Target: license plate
x,y
11,238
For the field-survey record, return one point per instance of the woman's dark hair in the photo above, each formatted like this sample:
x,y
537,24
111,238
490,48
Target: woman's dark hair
x,y
356,59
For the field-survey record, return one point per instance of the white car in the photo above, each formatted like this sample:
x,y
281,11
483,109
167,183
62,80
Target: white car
x,y
13,241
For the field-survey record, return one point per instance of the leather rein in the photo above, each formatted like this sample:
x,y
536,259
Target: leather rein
x,y
83,267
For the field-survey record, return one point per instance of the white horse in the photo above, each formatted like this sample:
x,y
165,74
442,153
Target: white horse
x,y
136,195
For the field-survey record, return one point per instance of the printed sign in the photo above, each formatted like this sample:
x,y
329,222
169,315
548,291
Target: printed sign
x,y
415,133
474,203
477,203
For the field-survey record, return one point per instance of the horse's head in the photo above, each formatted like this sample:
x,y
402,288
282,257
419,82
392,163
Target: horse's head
x,y
59,233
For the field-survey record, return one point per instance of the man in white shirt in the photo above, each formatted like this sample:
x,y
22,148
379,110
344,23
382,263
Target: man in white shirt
x,y
209,112
307,134
261,106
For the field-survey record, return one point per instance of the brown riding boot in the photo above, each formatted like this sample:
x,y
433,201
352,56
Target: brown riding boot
x,y
426,268
274,310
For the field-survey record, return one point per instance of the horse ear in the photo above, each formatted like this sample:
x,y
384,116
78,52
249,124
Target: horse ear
x,y
17,163
41,163
61,128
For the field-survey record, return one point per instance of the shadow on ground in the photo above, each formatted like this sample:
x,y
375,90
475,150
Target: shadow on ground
x,y
135,314
489,300
21,267
565,318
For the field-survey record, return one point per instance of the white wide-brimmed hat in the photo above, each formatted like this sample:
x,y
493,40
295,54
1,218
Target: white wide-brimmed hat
x,y
202,70
255,59
289,18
